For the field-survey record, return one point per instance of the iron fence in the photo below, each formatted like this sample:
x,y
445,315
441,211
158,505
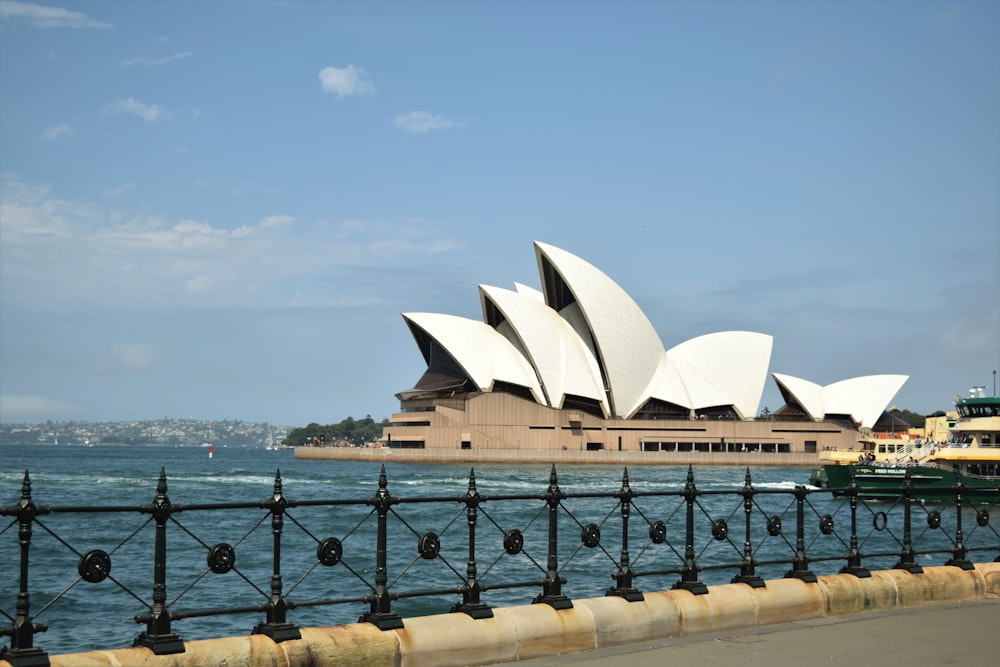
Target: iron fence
x,y
462,553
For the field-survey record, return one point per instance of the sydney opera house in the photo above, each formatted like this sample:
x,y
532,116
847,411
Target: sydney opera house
x,y
578,366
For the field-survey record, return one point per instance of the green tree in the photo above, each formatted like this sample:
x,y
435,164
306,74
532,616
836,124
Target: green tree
x,y
912,418
356,432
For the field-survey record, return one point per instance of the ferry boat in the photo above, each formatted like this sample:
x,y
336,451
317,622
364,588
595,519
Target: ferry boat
x,y
972,455
876,448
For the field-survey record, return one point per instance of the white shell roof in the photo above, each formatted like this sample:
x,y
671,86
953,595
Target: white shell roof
x,y
863,398
628,345
564,364
725,368
808,394
682,383
484,355
525,290
669,384
601,347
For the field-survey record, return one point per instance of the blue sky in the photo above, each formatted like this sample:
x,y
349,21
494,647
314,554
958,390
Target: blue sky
x,y
219,209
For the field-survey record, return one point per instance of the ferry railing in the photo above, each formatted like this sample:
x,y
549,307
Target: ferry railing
x,y
469,546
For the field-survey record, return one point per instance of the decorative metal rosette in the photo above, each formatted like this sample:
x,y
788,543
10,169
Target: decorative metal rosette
x,y
513,542
429,546
657,532
330,551
221,558
94,566
590,535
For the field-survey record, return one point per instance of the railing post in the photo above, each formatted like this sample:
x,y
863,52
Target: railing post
x,y
689,573
552,589
959,553
623,577
277,627
906,556
22,651
853,554
747,573
158,636
381,614
470,603
800,563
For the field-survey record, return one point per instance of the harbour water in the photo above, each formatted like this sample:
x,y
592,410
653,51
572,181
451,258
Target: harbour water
x,y
87,616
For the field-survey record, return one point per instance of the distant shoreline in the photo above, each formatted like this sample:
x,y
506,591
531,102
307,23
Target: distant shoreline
x,y
384,454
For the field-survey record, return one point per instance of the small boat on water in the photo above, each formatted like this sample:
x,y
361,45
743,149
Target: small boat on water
x,y
971,455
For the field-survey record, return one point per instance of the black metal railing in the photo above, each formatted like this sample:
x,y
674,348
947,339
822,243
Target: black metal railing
x,y
470,547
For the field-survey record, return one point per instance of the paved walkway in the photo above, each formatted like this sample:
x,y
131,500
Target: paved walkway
x,y
933,635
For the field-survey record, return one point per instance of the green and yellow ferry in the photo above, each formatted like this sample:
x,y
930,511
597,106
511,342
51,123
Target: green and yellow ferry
x,y
972,455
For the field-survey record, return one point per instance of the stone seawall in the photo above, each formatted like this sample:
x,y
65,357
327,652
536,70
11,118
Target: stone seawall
x,y
557,457
538,630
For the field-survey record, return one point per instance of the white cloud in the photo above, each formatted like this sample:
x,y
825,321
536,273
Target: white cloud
x,y
200,283
276,221
156,62
400,245
345,81
133,107
129,358
57,131
119,191
397,237
82,255
22,409
419,122
42,16
26,211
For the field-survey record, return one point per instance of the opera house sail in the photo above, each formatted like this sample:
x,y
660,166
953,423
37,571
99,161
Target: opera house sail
x,y
577,365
